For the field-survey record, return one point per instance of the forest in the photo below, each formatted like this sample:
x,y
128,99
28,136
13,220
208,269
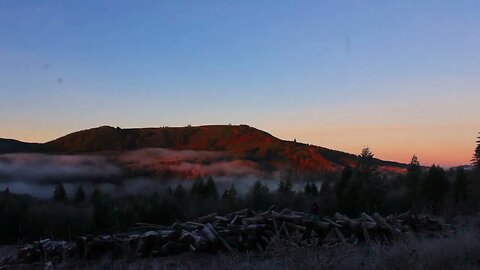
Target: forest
x,y
360,188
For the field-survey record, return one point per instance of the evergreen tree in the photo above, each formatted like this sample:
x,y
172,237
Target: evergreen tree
x,y
80,195
460,185
60,195
435,186
259,189
180,192
342,182
367,182
198,187
211,189
230,194
259,193
96,196
413,180
476,155
285,187
311,189
326,188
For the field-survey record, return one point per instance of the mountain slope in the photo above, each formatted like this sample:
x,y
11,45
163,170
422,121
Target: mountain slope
x,y
243,142
9,146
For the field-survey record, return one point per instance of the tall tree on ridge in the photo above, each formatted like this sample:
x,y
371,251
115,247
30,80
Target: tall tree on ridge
x,y
414,180
476,155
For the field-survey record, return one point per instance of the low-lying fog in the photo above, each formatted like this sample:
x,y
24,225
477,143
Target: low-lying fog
x,y
37,174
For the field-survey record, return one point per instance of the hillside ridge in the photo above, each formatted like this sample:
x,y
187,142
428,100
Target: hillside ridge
x,y
242,141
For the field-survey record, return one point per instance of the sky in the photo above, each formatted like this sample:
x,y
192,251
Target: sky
x,y
401,77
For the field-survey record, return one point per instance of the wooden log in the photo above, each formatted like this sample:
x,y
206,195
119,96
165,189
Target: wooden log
x,y
333,224
385,224
207,218
224,243
367,218
155,226
220,218
340,235
365,230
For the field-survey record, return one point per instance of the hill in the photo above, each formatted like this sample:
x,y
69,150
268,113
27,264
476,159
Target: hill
x,y
241,141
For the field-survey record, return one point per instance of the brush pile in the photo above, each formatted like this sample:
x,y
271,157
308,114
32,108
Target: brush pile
x,y
245,230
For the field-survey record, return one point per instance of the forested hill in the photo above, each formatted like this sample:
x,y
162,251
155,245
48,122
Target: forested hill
x,y
241,141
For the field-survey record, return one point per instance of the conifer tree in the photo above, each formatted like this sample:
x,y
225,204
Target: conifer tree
x,y
285,187
342,182
80,195
413,180
476,155
180,192
311,189
435,186
60,195
211,189
460,185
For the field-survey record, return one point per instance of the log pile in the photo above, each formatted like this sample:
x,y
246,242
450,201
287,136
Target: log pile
x,y
245,230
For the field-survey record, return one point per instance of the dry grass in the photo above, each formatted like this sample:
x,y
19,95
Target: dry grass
x,y
458,251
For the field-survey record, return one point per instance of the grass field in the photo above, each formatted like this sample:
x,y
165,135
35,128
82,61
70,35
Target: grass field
x,y
458,251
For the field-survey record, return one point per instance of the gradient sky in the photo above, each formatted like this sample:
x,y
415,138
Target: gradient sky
x,y
402,77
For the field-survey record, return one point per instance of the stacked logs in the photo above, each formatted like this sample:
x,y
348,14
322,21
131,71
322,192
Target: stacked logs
x,y
245,230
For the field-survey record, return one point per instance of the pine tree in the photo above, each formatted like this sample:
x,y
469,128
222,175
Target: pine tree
x,y
180,192
435,186
413,180
80,195
259,193
311,189
60,195
198,187
230,194
368,182
96,196
342,182
211,189
476,155
285,187
460,185
259,189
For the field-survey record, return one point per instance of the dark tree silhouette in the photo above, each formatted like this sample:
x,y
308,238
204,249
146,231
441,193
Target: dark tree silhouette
x,y
476,155
180,192
435,187
198,187
60,195
342,181
259,193
96,196
211,189
80,195
413,181
230,196
460,185
311,189
285,187
368,182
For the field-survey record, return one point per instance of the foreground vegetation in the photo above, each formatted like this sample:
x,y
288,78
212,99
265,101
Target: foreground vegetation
x,y
457,251
357,189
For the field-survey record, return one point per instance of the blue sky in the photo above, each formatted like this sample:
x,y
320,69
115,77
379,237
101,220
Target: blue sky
x,y
402,77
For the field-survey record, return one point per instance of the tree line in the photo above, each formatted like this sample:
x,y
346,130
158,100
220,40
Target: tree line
x,y
359,187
